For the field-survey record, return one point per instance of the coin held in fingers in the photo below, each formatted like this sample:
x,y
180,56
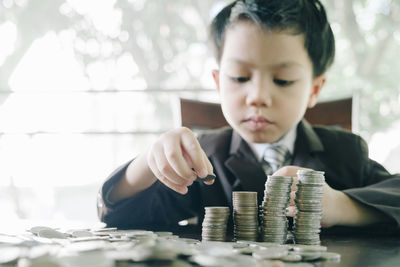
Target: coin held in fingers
x,y
209,177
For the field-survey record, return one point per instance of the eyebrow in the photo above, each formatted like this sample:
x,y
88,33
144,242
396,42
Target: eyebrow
x,y
284,64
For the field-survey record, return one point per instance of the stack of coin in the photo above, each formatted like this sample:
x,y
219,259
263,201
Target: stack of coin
x,y
245,217
215,223
273,209
307,222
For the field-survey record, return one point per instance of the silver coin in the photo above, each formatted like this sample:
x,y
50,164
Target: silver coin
x,y
330,256
308,248
270,253
291,257
50,233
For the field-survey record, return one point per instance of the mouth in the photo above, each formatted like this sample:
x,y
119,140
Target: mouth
x,y
257,123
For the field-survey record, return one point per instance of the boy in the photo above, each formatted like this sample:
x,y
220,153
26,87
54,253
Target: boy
x,y
272,58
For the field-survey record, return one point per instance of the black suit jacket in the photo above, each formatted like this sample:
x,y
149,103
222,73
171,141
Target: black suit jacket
x,y
342,155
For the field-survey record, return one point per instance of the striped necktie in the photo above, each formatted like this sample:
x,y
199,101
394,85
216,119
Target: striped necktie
x,y
274,157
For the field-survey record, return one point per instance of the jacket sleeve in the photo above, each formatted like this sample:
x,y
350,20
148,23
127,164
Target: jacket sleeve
x,y
380,189
155,208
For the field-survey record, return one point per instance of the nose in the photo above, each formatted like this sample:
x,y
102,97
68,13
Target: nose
x,y
259,95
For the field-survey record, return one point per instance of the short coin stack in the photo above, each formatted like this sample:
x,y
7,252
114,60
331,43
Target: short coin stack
x,y
273,209
215,223
245,217
307,222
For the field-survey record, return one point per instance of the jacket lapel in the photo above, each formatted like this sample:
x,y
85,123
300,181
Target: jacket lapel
x,y
242,163
307,148
216,147
234,163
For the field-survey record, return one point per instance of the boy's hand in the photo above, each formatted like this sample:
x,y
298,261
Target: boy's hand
x,y
176,159
330,198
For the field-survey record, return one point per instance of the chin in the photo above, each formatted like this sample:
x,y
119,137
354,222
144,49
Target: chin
x,y
258,137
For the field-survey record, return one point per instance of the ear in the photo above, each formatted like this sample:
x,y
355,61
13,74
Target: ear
x,y
215,74
317,84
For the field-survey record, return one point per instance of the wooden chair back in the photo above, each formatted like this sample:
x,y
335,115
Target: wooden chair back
x,y
205,115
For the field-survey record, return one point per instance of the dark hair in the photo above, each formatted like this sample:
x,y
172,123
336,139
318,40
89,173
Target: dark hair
x,y
306,17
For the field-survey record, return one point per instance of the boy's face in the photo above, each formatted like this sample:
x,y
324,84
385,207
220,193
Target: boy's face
x,y
265,81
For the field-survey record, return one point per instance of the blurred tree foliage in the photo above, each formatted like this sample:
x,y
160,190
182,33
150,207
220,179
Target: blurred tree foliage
x,y
32,19
368,43
162,36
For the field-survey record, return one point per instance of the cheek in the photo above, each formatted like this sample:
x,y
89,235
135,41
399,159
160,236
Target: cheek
x,y
301,95
229,102
293,105
228,93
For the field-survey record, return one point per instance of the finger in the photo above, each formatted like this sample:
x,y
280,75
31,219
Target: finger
x,y
291,211
286,171
209,182
210,169
174,155
193,153
151,162
290,171
294,184
166,170
292,198
178,188
153,167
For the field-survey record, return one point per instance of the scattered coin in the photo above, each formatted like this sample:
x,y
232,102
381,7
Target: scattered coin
x,y
163,234
40,262
81,233
291,257
310,255
311,248
113,247
50,233
330,256
270,253
36,229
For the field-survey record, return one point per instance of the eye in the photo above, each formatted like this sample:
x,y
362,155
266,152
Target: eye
x,y
283,83
240,79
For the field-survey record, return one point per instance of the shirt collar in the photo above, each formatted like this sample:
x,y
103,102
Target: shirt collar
x,y
287,140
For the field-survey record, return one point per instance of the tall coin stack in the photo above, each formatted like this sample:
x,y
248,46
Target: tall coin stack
x,y
273,209
245,217
307,222
215,223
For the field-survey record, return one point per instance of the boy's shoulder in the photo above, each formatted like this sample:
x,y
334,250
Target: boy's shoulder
x,y
334,144
333,133
336,138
